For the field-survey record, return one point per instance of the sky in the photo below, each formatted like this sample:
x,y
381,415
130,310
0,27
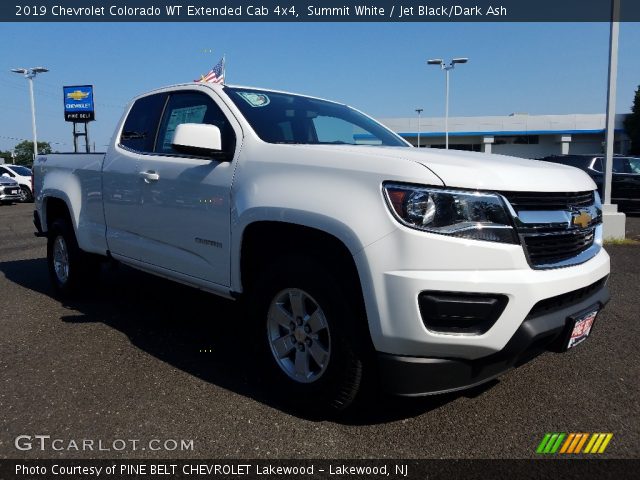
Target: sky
x,y
380,68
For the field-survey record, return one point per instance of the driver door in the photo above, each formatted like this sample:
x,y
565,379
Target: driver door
x,y
185,198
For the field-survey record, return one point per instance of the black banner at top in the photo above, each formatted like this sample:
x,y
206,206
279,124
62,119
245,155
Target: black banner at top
x,y
317,11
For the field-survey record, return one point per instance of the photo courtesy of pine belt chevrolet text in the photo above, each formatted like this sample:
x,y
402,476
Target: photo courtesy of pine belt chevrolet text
x,y
359,260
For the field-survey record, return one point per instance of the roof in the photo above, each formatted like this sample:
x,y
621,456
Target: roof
x,y
217,86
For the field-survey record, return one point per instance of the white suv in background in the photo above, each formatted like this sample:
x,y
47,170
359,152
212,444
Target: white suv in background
x,y
22,175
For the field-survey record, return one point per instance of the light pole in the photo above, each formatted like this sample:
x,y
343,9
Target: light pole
x,y
29,74
446,68
611,99
613,220
419,111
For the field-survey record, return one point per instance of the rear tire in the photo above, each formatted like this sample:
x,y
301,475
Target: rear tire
x,y
69,267
306,326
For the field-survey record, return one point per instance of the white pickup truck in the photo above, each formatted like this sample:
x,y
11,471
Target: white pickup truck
x,y
359,257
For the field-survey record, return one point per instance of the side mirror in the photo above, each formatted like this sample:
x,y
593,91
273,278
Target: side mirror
x,y
197,139
6,175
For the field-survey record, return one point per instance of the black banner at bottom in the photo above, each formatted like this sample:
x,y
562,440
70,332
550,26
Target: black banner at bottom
x,y
314,469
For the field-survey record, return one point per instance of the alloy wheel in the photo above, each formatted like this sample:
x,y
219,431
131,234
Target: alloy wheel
x,y
298,334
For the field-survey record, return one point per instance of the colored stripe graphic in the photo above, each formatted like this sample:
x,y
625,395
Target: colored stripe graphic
x,y
583,439
543,443
550,443
567,443
592,441
573,443
579,437
556,446
605,443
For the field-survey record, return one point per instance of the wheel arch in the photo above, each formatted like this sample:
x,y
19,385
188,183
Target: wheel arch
x,y
263,241
55,207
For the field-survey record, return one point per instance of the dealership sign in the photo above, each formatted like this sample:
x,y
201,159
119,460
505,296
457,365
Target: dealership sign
x,y
78,103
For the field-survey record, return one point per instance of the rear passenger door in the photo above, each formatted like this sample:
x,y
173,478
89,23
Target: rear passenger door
x,y
122,185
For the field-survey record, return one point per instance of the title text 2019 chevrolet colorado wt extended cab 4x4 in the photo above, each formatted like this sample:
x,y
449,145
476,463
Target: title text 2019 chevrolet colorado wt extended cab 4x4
x,y
357,255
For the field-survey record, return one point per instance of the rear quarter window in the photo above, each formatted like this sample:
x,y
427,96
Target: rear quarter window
x,y
141,125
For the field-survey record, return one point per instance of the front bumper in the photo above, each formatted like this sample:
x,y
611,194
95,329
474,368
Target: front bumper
x,y
397,269
9,197
546,328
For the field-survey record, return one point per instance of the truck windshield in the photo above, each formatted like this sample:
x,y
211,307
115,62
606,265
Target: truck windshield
x,y
285,118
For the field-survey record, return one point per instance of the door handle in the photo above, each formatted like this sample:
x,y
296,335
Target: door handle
x,y
150,176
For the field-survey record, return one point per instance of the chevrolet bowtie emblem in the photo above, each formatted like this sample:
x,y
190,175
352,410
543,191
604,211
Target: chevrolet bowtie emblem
x,y
77,95
581,219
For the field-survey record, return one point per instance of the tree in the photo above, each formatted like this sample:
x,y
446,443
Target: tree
x,y
24,151
6,155
632,124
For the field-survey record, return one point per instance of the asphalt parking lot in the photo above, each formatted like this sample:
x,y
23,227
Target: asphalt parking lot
x,y
143,358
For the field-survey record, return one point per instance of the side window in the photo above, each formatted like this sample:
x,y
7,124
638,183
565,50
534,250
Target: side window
x,y
192,107
634,165
597,165
4,170
139,131
621,165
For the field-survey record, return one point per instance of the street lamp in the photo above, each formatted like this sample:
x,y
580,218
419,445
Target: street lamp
x,y
446,68
419,111
29,74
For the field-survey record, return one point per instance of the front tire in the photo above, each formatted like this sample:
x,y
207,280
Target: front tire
x,y
69,267
306,327
25,195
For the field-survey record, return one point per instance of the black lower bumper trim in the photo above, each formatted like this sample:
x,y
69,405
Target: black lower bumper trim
x,y
414,376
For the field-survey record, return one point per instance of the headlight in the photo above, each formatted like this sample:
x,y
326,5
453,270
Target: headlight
x,y
466,214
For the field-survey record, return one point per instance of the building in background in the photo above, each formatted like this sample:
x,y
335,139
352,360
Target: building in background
x,y
518,134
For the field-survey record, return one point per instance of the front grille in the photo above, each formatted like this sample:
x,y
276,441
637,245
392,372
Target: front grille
x,y
556,247
549,201
555,239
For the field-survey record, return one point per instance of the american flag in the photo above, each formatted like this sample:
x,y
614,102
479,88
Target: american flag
x,y
215,75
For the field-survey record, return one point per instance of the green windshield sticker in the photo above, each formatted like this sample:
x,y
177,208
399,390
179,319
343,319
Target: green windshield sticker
x,y
255,99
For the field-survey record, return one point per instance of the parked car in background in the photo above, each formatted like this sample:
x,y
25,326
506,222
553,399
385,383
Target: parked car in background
x,y
22,175
9,190
625,181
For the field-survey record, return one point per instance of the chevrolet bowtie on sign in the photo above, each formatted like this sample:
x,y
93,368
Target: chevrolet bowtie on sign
x,y
77,95
574,443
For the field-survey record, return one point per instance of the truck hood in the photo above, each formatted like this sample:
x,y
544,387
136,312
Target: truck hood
x,y
486,171
482,171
